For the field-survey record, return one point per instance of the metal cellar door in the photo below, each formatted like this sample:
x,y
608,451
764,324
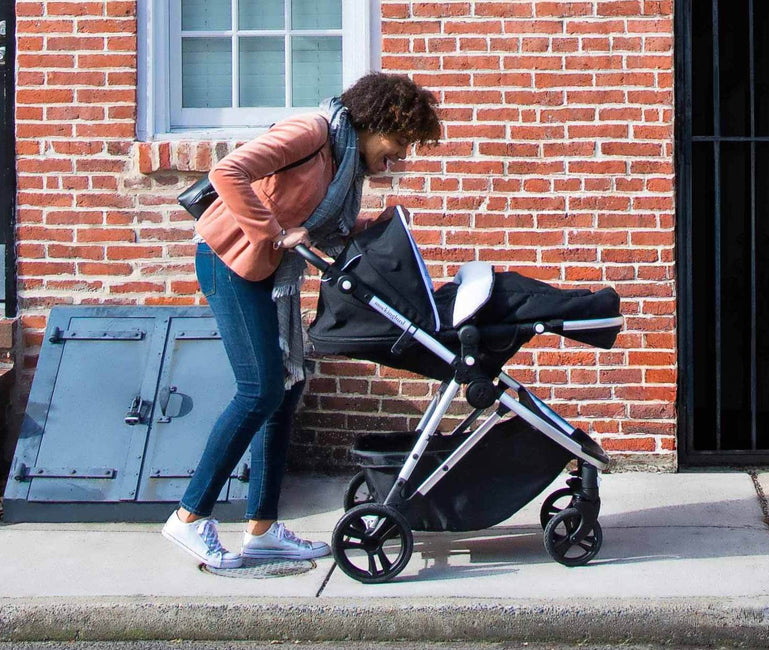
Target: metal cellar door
x,y
722,50
196,381
120,409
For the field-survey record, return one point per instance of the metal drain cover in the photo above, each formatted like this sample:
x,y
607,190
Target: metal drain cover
x,y
260,569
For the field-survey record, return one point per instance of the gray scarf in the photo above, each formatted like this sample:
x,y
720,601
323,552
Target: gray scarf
x,y
328,225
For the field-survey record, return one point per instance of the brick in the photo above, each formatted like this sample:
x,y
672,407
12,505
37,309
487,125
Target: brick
x,y
133,252
564,9
107,268
628,443
504,9
137,287
76,252
74,8
619,8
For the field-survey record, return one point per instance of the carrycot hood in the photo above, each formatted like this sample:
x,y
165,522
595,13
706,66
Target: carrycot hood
x,y
385,258
517,299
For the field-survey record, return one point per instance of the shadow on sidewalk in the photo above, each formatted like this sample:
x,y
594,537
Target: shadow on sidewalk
x,y
690,531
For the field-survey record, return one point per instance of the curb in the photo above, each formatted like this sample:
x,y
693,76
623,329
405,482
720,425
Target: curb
x,y
705,621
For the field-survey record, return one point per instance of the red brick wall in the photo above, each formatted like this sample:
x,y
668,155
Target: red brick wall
x,y
557,161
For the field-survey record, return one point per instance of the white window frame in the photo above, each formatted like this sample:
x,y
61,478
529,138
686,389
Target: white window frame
x,y
158,118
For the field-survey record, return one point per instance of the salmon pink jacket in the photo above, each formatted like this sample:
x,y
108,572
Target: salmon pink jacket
x,y
255,203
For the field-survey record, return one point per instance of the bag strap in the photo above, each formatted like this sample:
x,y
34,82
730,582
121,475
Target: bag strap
x,y
306,158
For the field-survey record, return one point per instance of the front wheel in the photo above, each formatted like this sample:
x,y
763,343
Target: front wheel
x,y
555,503
357,492
559,539
372,543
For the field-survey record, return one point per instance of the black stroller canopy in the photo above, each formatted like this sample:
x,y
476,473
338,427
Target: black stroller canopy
x,y
386,259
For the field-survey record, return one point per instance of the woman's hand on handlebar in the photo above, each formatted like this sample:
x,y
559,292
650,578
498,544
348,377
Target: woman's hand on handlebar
x,y
293,237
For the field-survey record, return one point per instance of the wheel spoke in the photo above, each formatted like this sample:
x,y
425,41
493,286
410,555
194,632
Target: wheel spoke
x,y
384,560
347,545
372,565
386,529
352,531
562,545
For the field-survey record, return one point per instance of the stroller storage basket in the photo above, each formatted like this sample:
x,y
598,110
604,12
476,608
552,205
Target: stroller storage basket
x,y
500,475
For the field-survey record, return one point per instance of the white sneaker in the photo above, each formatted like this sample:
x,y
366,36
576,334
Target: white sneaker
x,y
278,541
201,540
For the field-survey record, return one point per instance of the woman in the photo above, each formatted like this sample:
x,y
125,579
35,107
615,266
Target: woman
x,y
299,183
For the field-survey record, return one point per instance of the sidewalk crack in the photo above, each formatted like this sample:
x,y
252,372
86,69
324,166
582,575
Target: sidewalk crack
x,y
761,496
325,582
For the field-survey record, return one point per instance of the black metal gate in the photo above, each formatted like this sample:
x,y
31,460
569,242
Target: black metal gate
x,y
7,160
722,145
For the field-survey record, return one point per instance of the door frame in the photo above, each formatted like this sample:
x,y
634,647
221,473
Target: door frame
x,y
8,156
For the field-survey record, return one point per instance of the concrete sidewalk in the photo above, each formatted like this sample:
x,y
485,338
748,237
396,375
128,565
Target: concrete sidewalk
x,y
685,559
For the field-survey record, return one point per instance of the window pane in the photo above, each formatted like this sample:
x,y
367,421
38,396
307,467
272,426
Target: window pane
x,y
261,14
206,72
206,15
262,72
316,69
316,14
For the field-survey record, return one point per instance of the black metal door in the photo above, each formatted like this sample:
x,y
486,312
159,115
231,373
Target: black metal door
x,y
7,161
722,89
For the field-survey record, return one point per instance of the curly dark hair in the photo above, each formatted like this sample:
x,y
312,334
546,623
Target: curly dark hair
x,y
392,104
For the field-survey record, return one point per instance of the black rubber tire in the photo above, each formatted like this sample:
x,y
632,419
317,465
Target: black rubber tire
x,y
363,531
352,496
557,543
549,509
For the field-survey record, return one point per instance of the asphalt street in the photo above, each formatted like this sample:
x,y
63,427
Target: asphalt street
x,y
246,645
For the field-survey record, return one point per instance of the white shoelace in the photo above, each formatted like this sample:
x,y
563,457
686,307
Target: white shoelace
x,y
210,536
284,533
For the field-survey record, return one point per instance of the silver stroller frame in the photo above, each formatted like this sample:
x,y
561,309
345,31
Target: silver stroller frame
x,y
511,399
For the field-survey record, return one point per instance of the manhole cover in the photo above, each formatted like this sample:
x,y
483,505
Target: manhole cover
x,y
260,569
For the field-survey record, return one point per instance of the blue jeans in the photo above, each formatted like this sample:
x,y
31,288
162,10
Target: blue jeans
x,y
261,411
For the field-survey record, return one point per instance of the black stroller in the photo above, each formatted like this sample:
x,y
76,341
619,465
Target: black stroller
x,y
377,303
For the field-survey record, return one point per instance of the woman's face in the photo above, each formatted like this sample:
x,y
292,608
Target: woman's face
x,y
377,150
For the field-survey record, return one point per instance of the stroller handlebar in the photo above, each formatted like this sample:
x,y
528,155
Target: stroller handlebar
x,y
316,260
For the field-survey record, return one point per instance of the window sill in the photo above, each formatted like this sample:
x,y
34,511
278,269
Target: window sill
x,y
190,154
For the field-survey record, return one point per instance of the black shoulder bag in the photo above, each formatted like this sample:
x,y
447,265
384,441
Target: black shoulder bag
x,y
201,194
